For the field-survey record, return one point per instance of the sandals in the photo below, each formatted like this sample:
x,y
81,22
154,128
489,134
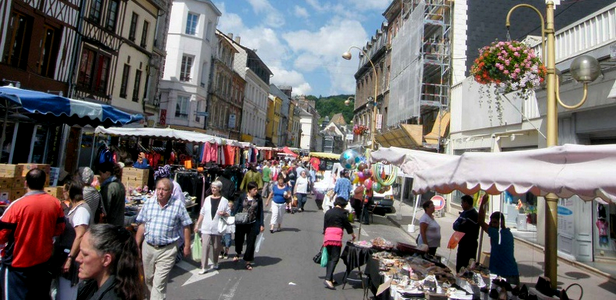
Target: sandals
x,y
249,267
236,259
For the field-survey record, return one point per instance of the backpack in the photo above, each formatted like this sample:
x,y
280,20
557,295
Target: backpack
x,y
105,156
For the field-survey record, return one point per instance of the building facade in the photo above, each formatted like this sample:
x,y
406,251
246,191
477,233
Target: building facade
x,y
226,92
191,41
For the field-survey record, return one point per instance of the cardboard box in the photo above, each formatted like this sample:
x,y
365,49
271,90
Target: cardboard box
x,y
6,183
17,193
55,191
9,171
27,167
134,172
131,184
19,183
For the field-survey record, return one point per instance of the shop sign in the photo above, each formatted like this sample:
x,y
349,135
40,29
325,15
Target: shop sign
x,y
566,218
232,121
439,202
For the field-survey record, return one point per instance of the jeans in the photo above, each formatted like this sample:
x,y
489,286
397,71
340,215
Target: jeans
x,y
301,200
226,240
333,255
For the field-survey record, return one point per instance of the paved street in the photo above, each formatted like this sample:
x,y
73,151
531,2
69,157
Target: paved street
x,y
283,267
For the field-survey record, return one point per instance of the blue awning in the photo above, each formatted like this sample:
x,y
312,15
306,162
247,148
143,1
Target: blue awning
x,y
54,108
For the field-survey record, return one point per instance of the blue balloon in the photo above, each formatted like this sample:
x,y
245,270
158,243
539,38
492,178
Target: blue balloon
x,y
349,158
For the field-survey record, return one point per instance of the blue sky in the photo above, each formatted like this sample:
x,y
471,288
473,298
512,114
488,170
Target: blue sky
x,y
302,41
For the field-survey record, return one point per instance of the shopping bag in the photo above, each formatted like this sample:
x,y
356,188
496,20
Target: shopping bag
x,y
259,241
224,223
455,239
324,257
317,257
196,248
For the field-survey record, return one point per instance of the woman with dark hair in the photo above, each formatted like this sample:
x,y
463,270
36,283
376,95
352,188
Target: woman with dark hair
x,y
78,217
429,229
280,193
109,264
336,219
250,203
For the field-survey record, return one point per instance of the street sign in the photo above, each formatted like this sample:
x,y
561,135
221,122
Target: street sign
x,y
202,114
439,202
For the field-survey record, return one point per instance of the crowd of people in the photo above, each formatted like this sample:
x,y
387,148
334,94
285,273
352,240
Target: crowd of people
x,y
95,257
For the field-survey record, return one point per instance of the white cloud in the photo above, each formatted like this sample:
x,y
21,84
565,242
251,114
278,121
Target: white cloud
x,y
273,17
301,12
292,78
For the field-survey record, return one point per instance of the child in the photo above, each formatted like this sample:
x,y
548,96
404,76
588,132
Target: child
x,y
226,236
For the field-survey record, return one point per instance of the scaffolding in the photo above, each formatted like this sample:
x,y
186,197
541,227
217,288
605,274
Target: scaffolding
x,y
420,79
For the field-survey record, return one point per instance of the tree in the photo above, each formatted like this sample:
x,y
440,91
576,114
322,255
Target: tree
x,y
329,106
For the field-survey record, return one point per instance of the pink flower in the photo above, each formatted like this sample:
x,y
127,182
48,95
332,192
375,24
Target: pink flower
x,y
506,72
501,67
516,54
517,71
507,62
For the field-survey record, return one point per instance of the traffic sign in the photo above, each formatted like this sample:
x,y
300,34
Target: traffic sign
x,y
439,202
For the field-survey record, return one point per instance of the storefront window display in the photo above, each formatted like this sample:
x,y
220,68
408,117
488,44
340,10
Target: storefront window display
x,y
605,230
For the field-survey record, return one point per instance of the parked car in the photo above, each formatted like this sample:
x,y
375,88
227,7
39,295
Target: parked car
x,y
384,202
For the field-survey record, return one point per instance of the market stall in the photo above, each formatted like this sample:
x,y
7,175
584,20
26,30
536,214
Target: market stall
x,y
402,271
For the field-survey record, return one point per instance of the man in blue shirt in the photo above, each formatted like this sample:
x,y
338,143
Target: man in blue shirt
x,y
142,162
502,259
343,187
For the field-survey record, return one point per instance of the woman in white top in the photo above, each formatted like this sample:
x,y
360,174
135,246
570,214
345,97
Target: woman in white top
x,y
301,190
214,207
79,218
429,230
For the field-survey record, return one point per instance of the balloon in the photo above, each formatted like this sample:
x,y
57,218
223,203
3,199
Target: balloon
x,y
362,166
367,173
376,186
368,183
361,175
355,179
348,158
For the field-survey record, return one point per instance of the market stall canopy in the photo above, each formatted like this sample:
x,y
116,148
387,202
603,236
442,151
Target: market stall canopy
x,y
325,155
168,133
288,151
585,171
410,161
55,108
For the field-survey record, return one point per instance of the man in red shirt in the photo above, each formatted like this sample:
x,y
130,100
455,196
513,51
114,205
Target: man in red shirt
x,y
27,227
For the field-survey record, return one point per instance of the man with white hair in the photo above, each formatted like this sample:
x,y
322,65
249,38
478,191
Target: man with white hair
x,y
160,221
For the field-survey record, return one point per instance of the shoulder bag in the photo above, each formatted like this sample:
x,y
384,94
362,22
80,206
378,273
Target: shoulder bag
x,y
317,257
224,223
242,218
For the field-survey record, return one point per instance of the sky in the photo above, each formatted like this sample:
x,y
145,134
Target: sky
x,y
302,41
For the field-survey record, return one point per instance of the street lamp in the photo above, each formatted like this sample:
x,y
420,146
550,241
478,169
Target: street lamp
x,y
348,101
347,55
584,69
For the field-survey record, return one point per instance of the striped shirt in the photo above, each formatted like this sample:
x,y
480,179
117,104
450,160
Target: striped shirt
x,y
163,224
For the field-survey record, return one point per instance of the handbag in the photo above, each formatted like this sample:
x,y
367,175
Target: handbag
x,y
317,257
242,219
224,223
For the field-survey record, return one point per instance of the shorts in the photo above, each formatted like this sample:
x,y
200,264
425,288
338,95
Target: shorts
x,y
226,240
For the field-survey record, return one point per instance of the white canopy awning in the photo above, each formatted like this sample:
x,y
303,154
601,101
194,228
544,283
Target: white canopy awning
x,y
585,171
410,161
181,135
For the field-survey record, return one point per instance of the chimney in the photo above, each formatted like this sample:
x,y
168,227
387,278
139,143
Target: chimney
x,y
230,35
237,39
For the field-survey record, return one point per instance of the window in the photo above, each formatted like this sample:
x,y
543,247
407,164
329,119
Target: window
x,y
137,86
133,27
124,85
93,72
144,34
95,11
208,33
191,24
19,33
49,53
181,107
187,62
112,15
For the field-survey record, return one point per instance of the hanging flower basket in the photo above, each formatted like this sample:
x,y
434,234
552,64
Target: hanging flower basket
x,y
506,67
360,130
511,66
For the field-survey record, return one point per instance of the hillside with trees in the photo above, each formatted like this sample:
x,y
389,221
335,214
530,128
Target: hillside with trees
x,y
331,105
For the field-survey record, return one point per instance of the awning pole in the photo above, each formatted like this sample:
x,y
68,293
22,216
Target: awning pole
x,y
6,117
417,199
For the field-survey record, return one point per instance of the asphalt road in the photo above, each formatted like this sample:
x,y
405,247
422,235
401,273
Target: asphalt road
x,y
283,268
